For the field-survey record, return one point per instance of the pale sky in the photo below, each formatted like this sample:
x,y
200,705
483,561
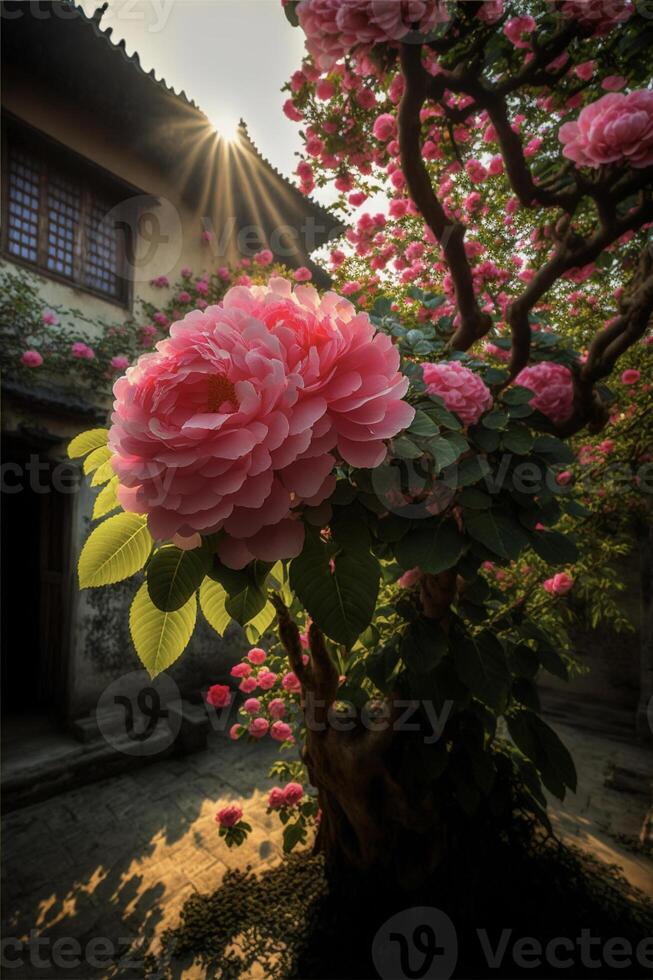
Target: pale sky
x,y
230,56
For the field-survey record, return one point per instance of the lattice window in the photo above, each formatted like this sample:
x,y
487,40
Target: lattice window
x,y
57,217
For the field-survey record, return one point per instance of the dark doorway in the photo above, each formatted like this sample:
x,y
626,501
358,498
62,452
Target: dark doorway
x,y
35,532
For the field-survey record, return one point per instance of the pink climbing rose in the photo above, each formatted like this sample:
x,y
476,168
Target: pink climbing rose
x,y
553,387
31,358
229,816
256,656
219,695
617,128
232,423
560,584
462,391
293,793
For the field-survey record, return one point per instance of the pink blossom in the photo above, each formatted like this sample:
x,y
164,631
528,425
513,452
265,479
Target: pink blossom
x,y
462,391
277,708
276,798
630,376
553,387
602,15
248,684
517,30
560,584
241,670
186,272
616,128
290,682
252,706
409,578
280,731
356,198
302,274
218,695
49,318
264,257
385,127
490,11
585,70
120,363
325,89
212,431
229,816
236,731
82,351
256,656
612,83
206,236
258,727
293,793
564,478
31,358
291,111
266,680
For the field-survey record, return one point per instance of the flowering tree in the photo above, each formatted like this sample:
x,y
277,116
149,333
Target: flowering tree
x,y
392,473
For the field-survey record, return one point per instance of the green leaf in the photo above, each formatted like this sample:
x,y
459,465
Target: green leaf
x,y
106,500
257,626
96,458
293,834
432,550
442,415
495,420
341,602
116,549
422,425
469,471
423,645
474,498
290,10
103,473
212,603
498,532
160,637
554,449
246,605
517,395
481,664
541,745
405,448
86,442
517,440
173,575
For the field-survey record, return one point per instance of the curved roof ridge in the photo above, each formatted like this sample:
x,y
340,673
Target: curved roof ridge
x,y
319,208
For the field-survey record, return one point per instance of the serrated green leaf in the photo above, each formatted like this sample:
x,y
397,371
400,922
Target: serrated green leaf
x,y
103,474
212,603
173,575
431,549
255,629
160,637
106,500
86,442
517,440
498,532
95,459
116,549
246,605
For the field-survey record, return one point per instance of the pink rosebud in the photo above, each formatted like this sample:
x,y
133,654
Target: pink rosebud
x,y
229,816
218,695
277,708
186,272
302,274
252,706
49,318
276,798
280,731
236,731
258,727
31,358
560,584
256,656
82,351
293,793
612,83
409,578
630,376
120,363
264,257
562,479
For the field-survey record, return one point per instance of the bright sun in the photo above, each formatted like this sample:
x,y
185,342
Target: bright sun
x,y
225,123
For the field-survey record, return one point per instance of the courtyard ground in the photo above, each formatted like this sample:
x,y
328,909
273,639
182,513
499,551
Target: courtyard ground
x,y
112,863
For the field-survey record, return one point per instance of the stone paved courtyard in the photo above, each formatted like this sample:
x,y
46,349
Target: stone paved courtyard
x,y
116,860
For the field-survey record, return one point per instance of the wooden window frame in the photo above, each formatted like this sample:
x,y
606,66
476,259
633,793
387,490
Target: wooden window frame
x,y
94,183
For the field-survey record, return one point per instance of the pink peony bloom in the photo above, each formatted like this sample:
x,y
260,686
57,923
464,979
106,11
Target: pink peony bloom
x,y
264,257
280,731
82,351
302,274
462,391
612,83
601,15
31,358
256,656
293,794
616,128
49,318
409,578
258,727
290,682
277,708
560,584
247,685
241,670
120,363
229,816
266,680
252,706
553,387
213,430
276,798
517,30
219,696
630,376
385,127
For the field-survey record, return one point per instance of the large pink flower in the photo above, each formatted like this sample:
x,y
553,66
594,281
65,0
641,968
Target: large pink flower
x,y
602,15
334,27
553,387
462,391
231,424
617,128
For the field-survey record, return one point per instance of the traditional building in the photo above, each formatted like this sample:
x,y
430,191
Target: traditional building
x,y
110,179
